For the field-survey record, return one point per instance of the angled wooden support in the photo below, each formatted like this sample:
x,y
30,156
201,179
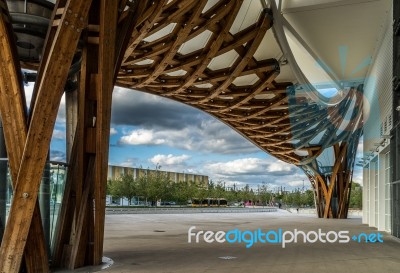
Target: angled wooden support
x,y
53,75
98,73
13,112
65,219
340,153
67,222
105,77
79,239
333,185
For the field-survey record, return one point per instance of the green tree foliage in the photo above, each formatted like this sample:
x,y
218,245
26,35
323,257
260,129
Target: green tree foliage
x,y
356,196
125,186
152,186
264,194
184,191
156,185
307,198
231,196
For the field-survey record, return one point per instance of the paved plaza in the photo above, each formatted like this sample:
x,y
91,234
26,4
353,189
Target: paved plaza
x,y
158,243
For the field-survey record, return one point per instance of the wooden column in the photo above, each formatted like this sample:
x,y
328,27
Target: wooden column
x,y
335,178
105,77
335,185
80,239
14,116
60,48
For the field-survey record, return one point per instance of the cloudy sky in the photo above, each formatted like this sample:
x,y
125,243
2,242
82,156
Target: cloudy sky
x,y
148,130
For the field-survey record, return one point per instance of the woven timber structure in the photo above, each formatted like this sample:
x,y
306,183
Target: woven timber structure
x,y
184,50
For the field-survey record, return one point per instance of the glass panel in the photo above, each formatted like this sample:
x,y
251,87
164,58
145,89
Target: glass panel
x,y
56,173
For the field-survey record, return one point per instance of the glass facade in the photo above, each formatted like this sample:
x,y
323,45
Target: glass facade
x,y
387,192
376,186
50,195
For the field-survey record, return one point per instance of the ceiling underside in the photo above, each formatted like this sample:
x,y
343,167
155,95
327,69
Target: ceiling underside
x,y
215,56
241,61
223,57
344,35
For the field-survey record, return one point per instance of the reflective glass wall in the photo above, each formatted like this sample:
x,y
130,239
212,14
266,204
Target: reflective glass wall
x,y
50,195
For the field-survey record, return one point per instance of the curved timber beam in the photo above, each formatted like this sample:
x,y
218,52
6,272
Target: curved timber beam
x,y
61,46
13,114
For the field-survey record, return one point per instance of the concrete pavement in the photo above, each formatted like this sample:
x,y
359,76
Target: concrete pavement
x,y
159,244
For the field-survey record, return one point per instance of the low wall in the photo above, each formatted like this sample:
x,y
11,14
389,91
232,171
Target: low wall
x,y
172,210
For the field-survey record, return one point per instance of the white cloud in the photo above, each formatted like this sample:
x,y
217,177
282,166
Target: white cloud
x,y
113,131
210,136
56,155
61,111
279,166
169,159
141,137
173,124
358,175
250,166
238,166
58,134
130,162
297,183
254,171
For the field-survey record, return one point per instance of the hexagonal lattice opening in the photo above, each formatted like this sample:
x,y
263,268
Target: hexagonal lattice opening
x,y
204,85
161,33
225,60
180,72
266,96
248,15
209,5
145,62
195,43
246,80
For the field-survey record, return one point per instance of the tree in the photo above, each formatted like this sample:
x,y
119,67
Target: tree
x,y
230,195
307,198
184,191
202,193
264,195
356,196
159,186
125,186
246,194
143,187
219,190
108,187
296,198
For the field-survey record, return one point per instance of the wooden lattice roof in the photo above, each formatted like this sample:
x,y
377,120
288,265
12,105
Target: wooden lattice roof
x,y
209,54
221,57
187,52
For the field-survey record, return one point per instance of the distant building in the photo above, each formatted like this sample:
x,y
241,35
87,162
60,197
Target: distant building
x,y
114,172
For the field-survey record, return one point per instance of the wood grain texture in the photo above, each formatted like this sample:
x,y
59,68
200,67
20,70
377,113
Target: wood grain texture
x,y
50,88
14,118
